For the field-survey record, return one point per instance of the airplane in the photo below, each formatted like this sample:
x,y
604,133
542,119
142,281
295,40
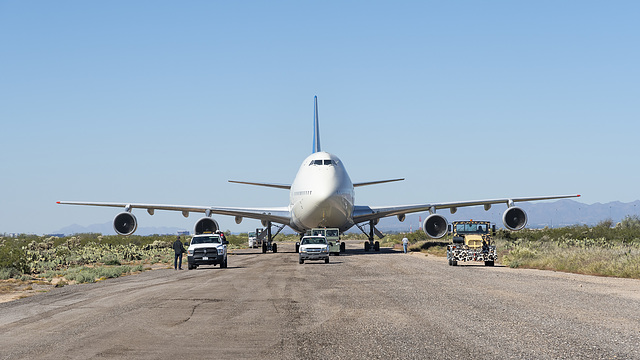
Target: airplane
x,y
322,195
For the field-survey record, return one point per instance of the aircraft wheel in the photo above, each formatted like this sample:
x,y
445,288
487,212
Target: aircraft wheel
x,y
376,246
342,247
274,247
264,248
367,246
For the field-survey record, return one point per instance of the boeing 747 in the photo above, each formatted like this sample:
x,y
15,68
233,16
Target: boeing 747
x,y
322,195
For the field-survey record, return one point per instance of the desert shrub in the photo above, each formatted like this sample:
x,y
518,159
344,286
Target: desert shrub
x,y
12,257
8,273
597,250
112,261
630,222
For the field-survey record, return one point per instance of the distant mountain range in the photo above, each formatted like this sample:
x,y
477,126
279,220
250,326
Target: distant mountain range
x,y
540,214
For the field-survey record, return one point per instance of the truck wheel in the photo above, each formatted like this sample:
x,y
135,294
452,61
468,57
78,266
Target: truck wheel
x,y
342,247
223,265
450,262
488,263
297,247
189,266
274,247
301,261
326,260
454,263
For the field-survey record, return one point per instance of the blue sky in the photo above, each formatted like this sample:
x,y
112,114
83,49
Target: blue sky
x,y
163,102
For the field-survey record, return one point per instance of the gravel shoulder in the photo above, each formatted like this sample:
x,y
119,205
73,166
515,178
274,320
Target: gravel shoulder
x,y
361,305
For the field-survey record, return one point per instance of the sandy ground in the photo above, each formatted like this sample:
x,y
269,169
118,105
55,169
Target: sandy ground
x,y
13,289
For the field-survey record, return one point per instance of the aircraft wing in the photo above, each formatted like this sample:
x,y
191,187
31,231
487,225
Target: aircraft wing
x,y
279,215
367,213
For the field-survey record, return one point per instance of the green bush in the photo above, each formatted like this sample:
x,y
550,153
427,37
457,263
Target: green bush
x,y
12,257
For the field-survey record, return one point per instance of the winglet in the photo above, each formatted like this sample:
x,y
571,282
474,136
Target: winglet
x,y
316,126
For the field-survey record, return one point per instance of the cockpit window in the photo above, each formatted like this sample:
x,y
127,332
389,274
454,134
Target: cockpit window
x,y
322,162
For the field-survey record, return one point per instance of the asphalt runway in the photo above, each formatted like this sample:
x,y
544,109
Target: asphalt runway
x,y
384,305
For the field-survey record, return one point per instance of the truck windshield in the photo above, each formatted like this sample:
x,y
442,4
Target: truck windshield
x,y
314,241
332,233
206,240
472,228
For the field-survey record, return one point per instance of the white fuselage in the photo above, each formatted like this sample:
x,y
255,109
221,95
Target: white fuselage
x,y
322,194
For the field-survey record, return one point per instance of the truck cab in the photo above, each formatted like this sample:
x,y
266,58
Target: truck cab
x,y
472,241
314,248
253,242
207,249
472,233
333,238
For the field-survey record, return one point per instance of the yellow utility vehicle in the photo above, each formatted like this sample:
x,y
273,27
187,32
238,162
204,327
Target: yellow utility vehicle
x,y
472,241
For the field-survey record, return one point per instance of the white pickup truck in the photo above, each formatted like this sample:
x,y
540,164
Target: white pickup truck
x,y
207,249
314,248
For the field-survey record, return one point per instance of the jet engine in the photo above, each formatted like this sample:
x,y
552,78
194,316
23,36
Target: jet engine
x,y
205,225
125,223
514,218
435,226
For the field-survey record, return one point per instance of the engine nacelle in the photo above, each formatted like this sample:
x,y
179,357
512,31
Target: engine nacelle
x,y
435,226
125,223
205,225
514,218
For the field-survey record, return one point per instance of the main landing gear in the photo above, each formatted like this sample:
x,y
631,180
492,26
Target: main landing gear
x,y
370,244
268,244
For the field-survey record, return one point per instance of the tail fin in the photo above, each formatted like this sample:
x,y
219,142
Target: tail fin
x,y
316,127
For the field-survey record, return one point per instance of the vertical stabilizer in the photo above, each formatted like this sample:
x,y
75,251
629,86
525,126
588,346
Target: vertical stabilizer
x,y
316,127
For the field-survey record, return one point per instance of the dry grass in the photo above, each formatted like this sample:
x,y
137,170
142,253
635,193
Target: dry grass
x,y
614,259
